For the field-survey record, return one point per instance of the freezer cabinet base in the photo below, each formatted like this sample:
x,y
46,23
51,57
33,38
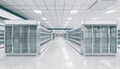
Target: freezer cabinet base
x,y
99,54
22,54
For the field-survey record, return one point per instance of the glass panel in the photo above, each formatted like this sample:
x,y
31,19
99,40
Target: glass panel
x,y
113,39
1,42
118,37
96,36
104,39
8,39
2,34
24,40
88,39
16,39
33,39
1,38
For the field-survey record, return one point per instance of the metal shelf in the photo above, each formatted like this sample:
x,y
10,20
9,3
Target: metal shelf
x,y
45,35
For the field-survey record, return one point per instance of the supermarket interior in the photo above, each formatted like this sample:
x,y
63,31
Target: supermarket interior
x,y
59,34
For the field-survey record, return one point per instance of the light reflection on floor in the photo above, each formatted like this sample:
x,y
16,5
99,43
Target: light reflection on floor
x,y
59,56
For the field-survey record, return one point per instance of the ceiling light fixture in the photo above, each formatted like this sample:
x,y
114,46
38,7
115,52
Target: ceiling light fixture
x,y
69,18
110,11
74,11
82,22
47,22
69,64
94,18
37,11
44,18
66,23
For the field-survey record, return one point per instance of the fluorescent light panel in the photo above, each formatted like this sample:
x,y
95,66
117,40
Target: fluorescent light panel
x,y
67,57
66,23
44,18
37,11
47,22
69,64
94,18
70,18
74,11
82,22
110,11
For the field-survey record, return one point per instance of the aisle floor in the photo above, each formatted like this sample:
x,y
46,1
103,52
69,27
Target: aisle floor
x,y
59,55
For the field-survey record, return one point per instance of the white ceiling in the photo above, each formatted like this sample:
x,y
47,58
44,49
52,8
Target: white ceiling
x,y
57,11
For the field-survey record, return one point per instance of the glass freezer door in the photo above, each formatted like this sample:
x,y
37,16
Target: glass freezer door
x,y
88,39
96,37
24,40
8,39
112,39
33,38
104,39
16,39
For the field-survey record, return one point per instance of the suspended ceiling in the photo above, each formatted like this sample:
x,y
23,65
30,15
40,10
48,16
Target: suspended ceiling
x,y
57,13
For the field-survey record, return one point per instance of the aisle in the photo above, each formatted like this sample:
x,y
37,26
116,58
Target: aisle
x,y
59,55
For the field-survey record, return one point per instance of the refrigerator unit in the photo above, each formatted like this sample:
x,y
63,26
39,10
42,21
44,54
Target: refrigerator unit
x,y
21,37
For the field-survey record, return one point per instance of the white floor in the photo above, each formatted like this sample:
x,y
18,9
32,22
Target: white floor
x,y
59,55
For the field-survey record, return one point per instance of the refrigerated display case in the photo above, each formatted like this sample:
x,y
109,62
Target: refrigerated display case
x,y
99,38
88,39
21,37
118,34
118,38
113,41
96,38
104,37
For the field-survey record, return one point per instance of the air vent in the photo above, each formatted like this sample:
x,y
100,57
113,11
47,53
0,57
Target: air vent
x,y
101,4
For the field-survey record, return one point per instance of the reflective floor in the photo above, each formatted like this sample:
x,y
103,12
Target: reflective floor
x,y
59,55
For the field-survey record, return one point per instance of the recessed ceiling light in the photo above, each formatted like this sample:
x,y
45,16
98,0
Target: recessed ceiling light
x,y
74,11
110,11
47,22
69,18
94,18
69,64
82,22
66,23
37,11
44,18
